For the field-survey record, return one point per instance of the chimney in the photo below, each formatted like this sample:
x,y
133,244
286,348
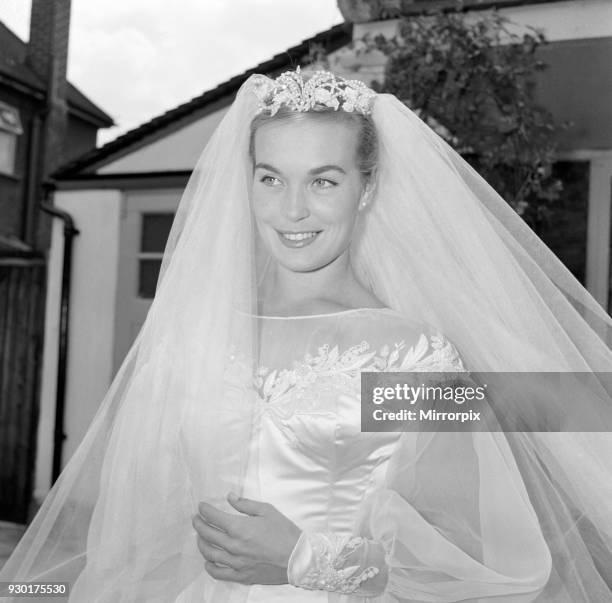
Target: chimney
x,y
47,55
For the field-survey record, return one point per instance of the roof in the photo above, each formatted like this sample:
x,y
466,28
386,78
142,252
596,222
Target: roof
x,y
222,95
12,247
14,68
361,11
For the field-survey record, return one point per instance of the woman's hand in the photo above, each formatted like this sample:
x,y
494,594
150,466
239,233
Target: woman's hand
x,y
253,548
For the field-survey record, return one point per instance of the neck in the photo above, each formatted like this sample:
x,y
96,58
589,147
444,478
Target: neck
x,y
286,290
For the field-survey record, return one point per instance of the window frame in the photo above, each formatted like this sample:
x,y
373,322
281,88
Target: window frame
x,y
10,130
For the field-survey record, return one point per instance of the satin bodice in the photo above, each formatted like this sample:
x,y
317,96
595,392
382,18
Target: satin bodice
x,y
314,463
308,456
418,500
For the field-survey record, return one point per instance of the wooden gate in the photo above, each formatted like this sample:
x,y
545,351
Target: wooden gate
x,y
22,288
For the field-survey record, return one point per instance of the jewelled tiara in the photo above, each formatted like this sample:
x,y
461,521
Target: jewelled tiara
x,y
322,88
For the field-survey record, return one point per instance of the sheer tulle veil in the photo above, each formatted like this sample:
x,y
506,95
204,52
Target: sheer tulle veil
x,y
439,245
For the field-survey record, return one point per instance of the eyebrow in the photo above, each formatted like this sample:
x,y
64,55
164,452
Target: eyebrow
x,y
326,168
314,171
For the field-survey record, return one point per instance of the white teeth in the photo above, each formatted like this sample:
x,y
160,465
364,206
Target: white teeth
x,y
298,236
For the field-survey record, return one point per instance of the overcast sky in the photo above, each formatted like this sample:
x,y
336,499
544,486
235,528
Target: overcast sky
x,y
138,58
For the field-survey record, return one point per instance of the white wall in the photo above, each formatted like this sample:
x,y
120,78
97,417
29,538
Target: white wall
x,y
566,20
95,255
598,239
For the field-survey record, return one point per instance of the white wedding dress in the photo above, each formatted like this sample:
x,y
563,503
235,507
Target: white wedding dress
x,y
446,516
446,513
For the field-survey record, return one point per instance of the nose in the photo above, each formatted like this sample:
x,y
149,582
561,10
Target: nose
x,y
295,206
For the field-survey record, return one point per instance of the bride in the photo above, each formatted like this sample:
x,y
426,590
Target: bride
x,y
327,232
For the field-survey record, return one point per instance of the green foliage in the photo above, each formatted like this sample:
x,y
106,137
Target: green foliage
x,y
471,78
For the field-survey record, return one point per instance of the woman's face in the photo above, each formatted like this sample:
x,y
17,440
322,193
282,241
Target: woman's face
x,y
306,190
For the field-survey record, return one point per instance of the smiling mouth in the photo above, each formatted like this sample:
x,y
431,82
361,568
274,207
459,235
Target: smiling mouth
x,y
300,236
298,239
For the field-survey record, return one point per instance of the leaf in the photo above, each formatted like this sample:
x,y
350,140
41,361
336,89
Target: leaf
x,y
269,383
359,362
415,353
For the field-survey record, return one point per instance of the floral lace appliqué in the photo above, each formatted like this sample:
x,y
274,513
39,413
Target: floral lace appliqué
x,y
301,389
433,354
328,570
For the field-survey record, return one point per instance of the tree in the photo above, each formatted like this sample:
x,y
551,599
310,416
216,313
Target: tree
x,y
472,80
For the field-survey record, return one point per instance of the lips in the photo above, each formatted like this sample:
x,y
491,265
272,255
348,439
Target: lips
x,y
298,239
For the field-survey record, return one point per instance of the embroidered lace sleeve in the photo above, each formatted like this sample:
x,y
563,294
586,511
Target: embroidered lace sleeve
x,y
354,564
452,520
342,564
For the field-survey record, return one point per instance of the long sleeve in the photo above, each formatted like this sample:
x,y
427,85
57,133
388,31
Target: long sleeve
x,y
452,522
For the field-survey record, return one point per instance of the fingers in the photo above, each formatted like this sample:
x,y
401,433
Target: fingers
x,y
247,505
214,536
219,556
216,517
224,573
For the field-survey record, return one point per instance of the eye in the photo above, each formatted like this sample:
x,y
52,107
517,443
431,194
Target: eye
x,y
324,183
269,180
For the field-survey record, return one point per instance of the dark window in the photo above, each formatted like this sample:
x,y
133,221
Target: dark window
x,y
154,235
566,231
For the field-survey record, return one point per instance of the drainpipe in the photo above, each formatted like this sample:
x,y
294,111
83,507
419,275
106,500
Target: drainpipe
x,y
28,229
60,396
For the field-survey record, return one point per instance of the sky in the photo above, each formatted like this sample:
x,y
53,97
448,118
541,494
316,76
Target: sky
x,y
138,58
